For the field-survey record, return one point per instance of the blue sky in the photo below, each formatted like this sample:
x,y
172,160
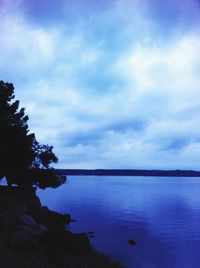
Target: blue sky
x,y
111,84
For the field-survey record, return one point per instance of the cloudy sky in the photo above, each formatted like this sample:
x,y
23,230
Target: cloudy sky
x,y
110,83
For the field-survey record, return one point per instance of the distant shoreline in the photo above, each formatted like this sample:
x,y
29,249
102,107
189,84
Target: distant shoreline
x,y
129,172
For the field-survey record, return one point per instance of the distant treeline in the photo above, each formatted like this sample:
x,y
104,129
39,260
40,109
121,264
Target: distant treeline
x,y
129,172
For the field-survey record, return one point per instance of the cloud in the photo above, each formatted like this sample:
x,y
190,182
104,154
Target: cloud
x,y
164,75
25,48
112,91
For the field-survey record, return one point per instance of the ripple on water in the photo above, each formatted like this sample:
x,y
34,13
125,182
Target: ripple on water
x,y
161,214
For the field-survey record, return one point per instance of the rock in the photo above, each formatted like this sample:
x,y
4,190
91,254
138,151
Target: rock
x,y
34,202
56,217
41,229
68,241
22,241
33,232
66,218
132,242
47,217
27,230
78,242
55,237
55,255
27,220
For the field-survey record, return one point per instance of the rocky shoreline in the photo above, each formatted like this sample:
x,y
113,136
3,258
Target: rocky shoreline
x,y
34,236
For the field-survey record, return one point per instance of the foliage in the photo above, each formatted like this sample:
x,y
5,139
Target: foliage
x,y
23,161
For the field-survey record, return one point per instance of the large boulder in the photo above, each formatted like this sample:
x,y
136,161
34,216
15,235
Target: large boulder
x,y
33,232
48,217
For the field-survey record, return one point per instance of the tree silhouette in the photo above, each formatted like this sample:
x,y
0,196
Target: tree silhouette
x,y
23,161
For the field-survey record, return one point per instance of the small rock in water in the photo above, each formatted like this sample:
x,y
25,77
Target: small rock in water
x,y
132,242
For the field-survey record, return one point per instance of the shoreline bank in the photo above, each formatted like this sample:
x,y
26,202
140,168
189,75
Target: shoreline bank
x,y
34,236
129,172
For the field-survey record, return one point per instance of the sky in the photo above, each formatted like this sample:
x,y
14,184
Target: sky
x,y
109,83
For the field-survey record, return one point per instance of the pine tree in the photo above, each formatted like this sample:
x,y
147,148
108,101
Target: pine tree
x,y
23,161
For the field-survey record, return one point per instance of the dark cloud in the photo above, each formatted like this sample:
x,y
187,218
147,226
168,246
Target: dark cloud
x,y
96,136
91,138
50,12
128,125
175,144
172,16
43,11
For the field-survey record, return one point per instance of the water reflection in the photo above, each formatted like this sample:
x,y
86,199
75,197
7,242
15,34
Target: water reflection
x,y
161,214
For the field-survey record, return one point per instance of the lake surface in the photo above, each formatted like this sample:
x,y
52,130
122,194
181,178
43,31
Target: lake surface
x,y
161,214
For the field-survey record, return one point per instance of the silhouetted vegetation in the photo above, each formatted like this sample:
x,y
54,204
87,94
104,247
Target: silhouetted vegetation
x,y
23,161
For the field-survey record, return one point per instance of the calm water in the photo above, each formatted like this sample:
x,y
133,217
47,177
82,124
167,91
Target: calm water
x,y
161,214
